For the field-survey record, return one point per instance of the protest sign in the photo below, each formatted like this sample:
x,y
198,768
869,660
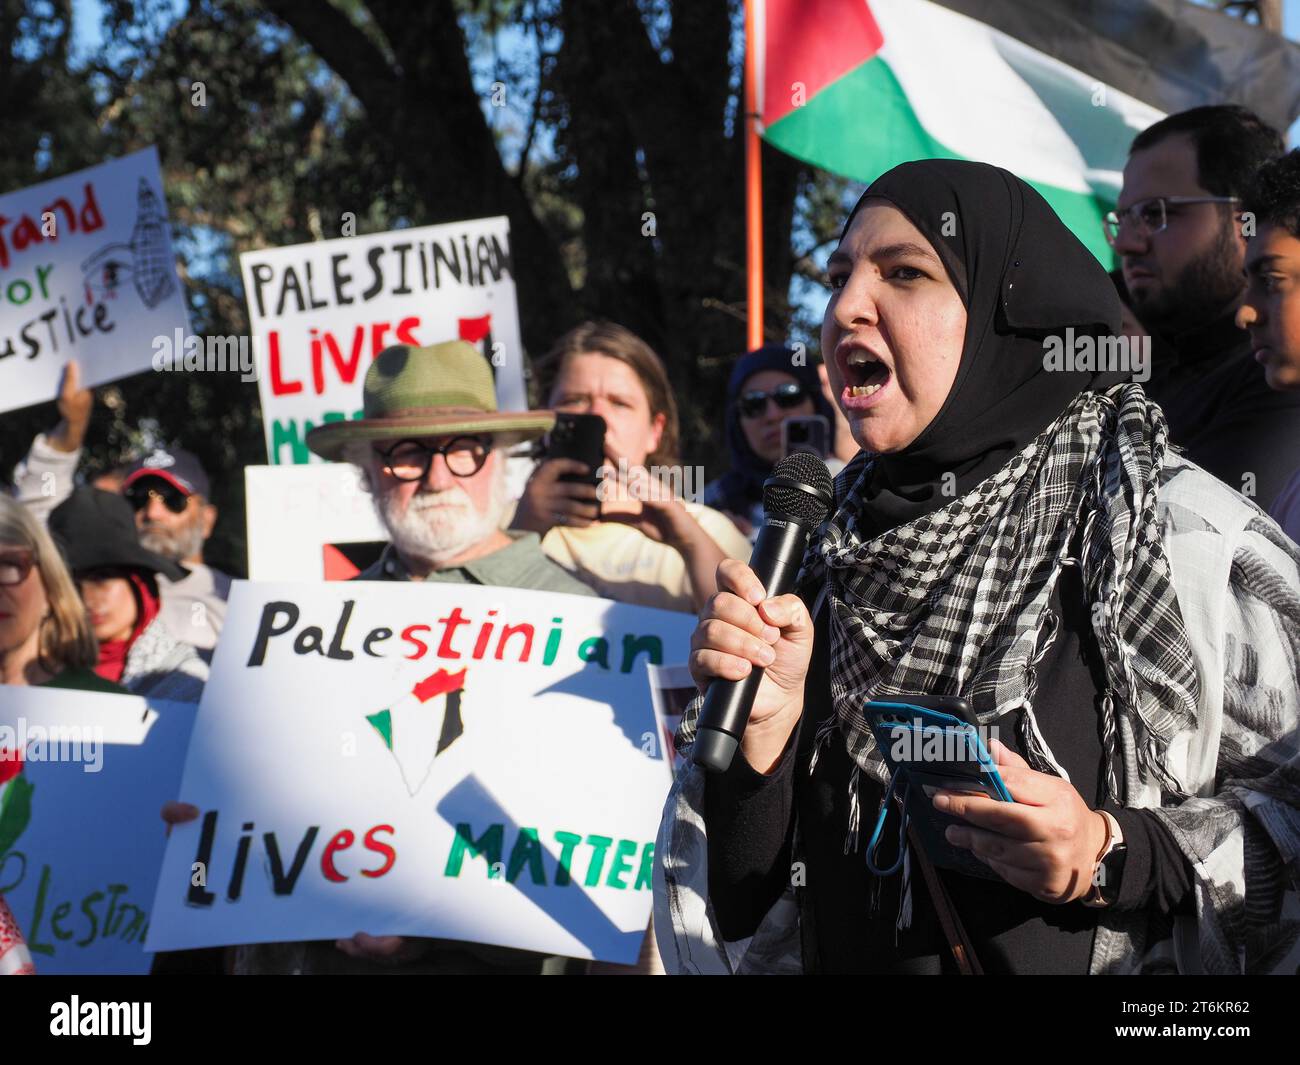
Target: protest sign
x,y
81,840
671,692
308,523
430,759
319,313
86,272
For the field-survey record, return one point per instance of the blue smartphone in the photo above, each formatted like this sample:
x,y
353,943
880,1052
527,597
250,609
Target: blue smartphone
x,y
931,742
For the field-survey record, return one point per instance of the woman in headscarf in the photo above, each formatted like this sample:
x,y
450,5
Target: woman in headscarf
x,y
767,386
1024,538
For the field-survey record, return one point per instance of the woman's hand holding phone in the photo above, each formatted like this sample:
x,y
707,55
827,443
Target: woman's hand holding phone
x,y
1045,843
548,501
741,629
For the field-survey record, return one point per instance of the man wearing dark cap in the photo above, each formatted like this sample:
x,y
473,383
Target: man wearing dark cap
x,y
169,490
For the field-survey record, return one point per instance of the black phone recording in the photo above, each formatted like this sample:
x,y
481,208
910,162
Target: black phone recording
x,y
580,437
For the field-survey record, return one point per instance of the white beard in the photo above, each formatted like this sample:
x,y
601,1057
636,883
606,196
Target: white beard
x,y
437,526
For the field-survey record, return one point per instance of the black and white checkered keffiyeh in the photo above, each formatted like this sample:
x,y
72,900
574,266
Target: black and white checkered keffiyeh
x,y
956,602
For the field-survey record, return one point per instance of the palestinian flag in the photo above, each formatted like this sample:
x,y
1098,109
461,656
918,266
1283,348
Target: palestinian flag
x,y
421,724
1052,90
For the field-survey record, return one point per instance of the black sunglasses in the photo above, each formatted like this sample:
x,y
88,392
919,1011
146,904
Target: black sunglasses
x,y
786,396
409,460
139,494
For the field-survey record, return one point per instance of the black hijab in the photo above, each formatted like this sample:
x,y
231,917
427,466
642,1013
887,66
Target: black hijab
x,y
1022,276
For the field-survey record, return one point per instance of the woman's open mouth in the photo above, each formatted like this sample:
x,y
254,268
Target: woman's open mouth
x,y
865,378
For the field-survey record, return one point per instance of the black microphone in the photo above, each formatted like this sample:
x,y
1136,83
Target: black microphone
x,y
796,499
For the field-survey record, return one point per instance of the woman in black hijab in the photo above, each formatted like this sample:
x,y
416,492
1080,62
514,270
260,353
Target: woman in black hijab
x,y
1007,543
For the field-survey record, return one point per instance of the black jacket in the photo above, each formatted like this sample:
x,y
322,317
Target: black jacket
x,y
847,915
1221,411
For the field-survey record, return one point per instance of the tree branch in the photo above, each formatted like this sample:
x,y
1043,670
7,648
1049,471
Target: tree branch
x,y
533,119
344,48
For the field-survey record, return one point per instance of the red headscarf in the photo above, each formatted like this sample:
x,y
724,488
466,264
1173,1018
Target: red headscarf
x,y
112,653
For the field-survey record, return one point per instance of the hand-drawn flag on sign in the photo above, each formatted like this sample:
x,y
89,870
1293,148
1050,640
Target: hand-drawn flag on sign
x,y
1052,91
422,724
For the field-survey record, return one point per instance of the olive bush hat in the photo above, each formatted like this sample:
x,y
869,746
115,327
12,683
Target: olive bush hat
x,y
435,391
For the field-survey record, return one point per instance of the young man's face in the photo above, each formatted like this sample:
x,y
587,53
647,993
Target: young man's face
x,y
1271,308
1190,272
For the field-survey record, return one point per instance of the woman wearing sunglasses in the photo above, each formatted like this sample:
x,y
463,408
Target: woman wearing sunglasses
x,y
766,387
45,637
629,539
1026,538
117,579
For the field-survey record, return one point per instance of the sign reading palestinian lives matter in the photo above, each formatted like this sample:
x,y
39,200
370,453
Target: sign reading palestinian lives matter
x,y
81,840
445,760
320,312
308,523
86,273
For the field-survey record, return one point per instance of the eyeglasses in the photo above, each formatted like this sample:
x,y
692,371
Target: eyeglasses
x,y
1151,216
786,396
409,460
139,494
15,565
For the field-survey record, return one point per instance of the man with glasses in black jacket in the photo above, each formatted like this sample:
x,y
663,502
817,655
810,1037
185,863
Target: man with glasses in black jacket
x,y
1181,237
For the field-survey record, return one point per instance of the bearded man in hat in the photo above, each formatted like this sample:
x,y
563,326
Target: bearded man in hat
x,y
431,447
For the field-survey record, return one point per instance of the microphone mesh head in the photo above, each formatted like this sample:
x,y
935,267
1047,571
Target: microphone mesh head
x,y
783,501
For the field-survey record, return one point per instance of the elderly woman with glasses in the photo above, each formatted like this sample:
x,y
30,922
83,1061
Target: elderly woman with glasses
x,y
45,636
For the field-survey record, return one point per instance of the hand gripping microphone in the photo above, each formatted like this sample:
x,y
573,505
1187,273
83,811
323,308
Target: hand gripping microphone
x,y
796,499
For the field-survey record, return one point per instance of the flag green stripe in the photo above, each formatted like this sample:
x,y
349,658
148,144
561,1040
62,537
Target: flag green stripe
x,y
862,124
383,722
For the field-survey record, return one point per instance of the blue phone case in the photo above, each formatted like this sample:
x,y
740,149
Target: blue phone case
x,y
925,750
